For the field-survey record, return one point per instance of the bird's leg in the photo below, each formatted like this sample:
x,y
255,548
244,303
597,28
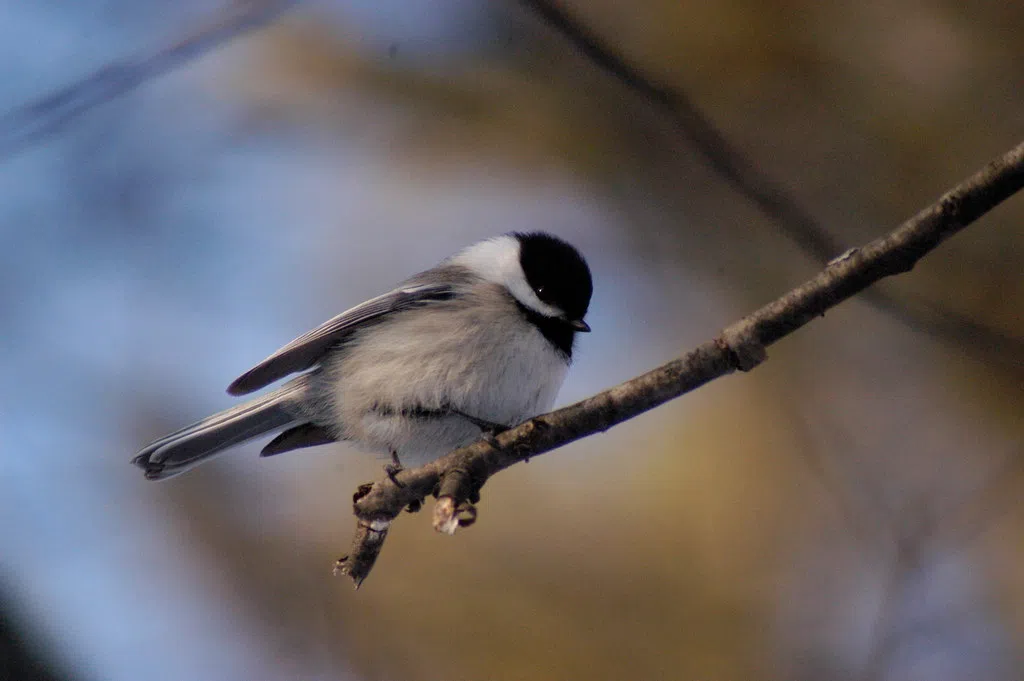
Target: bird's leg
x,y
394,468
489,430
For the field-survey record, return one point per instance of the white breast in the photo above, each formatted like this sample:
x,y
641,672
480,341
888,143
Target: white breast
x,y
388,369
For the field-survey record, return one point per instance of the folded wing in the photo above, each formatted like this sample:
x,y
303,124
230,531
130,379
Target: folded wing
x,y
306,350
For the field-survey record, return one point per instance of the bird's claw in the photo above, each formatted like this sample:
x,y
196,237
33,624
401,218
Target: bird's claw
x,y
393,469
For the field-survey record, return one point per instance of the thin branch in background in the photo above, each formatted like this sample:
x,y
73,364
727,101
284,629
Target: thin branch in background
x,y
457,477
770,196
35,121
725,160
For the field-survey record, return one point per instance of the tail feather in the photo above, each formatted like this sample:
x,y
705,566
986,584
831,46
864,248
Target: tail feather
x,y
191,445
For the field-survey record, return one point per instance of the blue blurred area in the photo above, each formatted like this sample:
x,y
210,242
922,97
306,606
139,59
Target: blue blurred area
x,y
162,243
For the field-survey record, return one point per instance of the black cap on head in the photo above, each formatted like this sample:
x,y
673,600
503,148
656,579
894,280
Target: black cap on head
x,y
556,272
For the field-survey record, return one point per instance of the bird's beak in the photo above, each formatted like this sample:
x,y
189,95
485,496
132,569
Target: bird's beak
x,y
579,325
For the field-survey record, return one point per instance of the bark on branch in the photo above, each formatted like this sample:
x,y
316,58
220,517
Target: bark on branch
x,y
456,478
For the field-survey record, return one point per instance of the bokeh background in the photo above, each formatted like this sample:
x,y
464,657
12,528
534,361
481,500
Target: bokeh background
x,y
850,510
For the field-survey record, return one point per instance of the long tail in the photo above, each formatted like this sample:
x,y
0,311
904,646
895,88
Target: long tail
x,y
193,444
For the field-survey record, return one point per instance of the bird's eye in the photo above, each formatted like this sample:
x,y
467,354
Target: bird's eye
x,y
539,290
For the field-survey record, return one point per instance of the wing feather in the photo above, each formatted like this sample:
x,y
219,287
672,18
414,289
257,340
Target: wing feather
x,y
306,350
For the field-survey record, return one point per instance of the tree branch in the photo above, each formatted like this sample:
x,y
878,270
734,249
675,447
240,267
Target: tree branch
x,y
770,197
457,477
36,120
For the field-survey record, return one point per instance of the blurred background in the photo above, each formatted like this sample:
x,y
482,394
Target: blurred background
x,y
850,510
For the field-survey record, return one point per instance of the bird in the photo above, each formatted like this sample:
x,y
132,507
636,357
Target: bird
x,y
475,345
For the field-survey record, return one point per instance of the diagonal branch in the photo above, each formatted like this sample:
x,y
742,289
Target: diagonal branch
x,y
37,120
725,160
770,197
456,478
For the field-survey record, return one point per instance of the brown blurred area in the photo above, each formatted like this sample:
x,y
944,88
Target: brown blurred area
x,y
849,510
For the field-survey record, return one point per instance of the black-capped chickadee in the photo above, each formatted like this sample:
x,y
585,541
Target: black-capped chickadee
x,y
477,344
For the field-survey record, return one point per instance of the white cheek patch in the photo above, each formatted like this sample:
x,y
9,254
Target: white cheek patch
x,y
497,261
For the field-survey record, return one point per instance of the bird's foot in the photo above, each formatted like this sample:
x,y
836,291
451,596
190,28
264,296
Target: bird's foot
x,y
489,430
394,468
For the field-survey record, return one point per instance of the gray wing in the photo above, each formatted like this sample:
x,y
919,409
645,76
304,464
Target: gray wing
x,y
306,350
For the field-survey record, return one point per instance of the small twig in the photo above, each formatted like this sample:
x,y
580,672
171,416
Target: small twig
x,y
37,120
770,197
366,545
741,346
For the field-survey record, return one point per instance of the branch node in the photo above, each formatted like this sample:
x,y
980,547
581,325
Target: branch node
x,y
844,256
450,516
456,483
366,547
446,520
456,494
361,492
741,342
